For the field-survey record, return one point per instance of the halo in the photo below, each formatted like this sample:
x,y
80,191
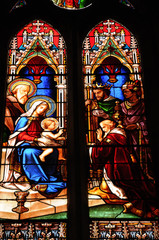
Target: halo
x,y
48,100
22,81
51,119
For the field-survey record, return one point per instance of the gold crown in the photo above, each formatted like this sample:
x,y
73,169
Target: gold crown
x,y
134,85
101,86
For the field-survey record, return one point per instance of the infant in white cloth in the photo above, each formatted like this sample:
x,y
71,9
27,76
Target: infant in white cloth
x,y
49,125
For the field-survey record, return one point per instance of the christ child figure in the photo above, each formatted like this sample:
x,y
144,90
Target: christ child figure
x,y
49,125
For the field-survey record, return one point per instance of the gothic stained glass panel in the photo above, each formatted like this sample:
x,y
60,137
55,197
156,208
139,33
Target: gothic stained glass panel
x,y
120,174
33,162
72,4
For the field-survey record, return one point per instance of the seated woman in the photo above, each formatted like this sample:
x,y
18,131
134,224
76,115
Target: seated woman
x,y
43,175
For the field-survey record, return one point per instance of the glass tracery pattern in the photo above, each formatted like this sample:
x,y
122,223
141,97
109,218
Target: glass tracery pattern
x,y
127,3
72,4
33,162
124,230
32,230
120,174
19,4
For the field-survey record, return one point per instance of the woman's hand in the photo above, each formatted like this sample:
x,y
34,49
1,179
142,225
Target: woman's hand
x,y
42,140
99,134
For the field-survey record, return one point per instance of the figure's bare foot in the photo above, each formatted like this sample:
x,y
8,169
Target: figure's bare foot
x,y
40,187
62,158
42,159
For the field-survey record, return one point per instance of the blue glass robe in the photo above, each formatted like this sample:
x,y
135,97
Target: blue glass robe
x,y
38,172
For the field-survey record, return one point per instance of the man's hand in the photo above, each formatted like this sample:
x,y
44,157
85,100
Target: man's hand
x,y
131,126
88,102
99,134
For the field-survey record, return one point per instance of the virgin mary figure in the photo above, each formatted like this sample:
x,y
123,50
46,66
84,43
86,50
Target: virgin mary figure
x,y
23,168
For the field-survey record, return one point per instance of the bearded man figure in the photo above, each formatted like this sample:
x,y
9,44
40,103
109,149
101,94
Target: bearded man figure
x,y
100,108
19,91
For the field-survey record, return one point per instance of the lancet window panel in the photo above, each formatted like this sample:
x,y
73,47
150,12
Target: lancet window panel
x,y
120,160
34,153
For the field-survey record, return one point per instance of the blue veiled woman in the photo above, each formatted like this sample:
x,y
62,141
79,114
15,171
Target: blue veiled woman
x,y
42,175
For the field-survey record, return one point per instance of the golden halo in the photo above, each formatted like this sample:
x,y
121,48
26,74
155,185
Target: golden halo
x,y
22,81
50,119
48,100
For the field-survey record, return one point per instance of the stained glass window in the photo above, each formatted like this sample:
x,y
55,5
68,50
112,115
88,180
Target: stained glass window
x,y
121,182
72,4
33,162
112,64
